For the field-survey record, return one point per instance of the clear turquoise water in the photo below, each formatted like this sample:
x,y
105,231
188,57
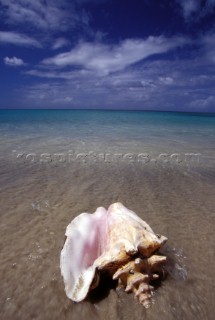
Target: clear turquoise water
x,y
100,129
100,118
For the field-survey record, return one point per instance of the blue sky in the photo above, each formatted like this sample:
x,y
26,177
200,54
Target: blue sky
x,y
109,54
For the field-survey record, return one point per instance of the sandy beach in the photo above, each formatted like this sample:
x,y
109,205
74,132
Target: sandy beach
x,y
39,199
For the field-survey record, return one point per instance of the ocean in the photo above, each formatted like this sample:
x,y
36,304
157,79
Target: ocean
x,y
55,164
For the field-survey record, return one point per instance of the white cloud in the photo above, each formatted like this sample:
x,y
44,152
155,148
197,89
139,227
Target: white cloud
x,y
104,58
208,7
14,62
49,15
158,84
208,102
18,39
53,74
166,80
196,8
189,7
60,42
208,42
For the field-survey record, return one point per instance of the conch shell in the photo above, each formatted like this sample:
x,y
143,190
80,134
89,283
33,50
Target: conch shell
x,y
115,240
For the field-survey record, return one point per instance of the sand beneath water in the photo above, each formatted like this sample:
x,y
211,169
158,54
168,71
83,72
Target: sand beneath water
x,y
39,200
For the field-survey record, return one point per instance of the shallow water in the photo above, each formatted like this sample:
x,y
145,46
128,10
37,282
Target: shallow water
x,y
39,199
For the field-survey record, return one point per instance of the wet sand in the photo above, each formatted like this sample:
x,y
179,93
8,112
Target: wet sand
x,y
39,200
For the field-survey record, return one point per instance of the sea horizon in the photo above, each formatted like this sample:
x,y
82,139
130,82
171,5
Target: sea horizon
x,y
109,109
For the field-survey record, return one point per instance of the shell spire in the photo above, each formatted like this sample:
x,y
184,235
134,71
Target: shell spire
x,y
137,277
